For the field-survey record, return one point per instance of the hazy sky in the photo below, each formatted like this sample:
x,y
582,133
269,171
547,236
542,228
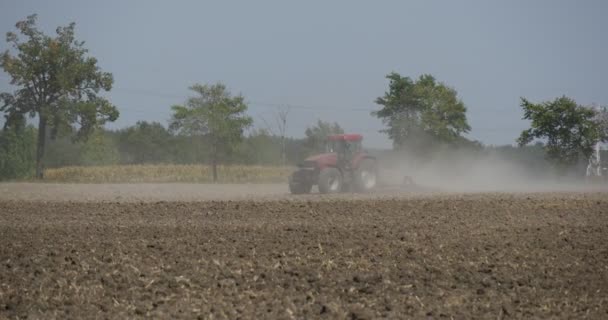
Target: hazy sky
x,y
328,58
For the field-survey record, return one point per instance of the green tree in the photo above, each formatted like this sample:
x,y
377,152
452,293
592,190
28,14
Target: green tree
x,y
570,131
57,82
99,150
214,115
316,135
421,113
146,142
63,152
260,148
17,152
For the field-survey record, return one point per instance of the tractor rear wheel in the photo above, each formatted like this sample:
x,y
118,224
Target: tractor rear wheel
x,y
366,176
330,180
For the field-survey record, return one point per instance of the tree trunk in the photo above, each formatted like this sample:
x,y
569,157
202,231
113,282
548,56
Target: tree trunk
x,y
214,166
214,162
283,151
40,148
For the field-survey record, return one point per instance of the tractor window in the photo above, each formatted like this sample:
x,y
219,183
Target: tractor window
x,y
336,146
340,146
354,146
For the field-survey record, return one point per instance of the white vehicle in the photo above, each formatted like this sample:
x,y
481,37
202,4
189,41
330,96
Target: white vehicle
x,y
597,169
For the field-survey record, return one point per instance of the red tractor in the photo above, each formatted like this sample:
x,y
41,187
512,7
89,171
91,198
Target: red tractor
x,y
344,167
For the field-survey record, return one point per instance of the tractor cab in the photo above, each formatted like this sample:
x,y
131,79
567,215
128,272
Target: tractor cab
x,y
346,147
344,144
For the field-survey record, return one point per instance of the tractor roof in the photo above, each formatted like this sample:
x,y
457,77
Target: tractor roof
x,y
345,137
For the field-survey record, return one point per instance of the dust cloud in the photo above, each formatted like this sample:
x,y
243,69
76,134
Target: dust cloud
x,y
459,171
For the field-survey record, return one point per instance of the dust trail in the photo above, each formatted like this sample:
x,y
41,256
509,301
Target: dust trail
x,y
459,171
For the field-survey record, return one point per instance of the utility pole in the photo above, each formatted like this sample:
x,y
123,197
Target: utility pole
x,y
281,120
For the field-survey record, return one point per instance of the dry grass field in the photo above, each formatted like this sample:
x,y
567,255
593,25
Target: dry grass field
x,y
499,255
167,173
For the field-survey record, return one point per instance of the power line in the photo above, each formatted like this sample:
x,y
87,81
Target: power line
x,y
254,102
145,92
139,109
280,105
149,93
308,107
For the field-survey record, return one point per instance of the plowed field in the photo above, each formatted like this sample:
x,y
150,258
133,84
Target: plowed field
x,y
440,256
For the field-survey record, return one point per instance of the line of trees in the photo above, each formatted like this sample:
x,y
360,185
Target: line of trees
x,y
153,143
58,85
423,115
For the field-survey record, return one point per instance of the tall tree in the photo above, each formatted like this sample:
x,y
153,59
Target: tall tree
x,y
56,81
422,112
214,115
570,130
316,135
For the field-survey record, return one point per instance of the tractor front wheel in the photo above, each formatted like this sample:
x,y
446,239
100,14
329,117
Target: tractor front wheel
x,y
299,186
330,180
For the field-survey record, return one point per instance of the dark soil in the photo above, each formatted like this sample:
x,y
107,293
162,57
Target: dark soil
x,y
484,256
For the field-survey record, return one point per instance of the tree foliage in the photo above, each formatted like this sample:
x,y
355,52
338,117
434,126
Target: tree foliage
x,y
214,115
99,150
56,81
146,142
602,121
17,152
422,112
260,147
316,135
570,130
